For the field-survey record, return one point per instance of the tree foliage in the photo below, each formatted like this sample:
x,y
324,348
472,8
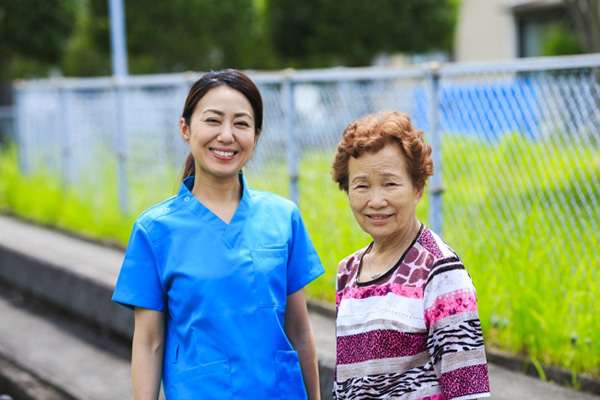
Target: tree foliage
x,y
34,30
560,40
321,32
586,17
179,35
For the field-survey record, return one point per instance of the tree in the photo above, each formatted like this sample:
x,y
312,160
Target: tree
x,y
317,33
586,17
179,35
559,41
33,30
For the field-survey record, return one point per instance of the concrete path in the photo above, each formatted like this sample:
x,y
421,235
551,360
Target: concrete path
x,y
77,276
59,357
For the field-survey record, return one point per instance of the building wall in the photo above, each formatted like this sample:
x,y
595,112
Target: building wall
x,y
485,31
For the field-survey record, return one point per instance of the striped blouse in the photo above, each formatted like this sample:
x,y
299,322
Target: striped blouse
x,y
413,333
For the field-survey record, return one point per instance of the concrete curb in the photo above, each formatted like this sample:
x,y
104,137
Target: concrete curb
x,y
321,307
558,375
65,289
25,386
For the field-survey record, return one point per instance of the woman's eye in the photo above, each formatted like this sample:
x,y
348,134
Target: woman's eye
x,y
390,184
242,123
212,120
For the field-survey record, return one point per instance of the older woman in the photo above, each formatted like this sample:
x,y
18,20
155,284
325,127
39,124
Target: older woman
x,y
407,321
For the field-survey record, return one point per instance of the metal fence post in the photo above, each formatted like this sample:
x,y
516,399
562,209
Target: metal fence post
x,y
435,139
20,135
65,136
121,144
290,127
118,43
118,39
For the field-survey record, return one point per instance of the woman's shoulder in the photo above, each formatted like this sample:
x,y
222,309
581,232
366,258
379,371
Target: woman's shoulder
x,y
439,258
438,250
348,270
351,261
157,211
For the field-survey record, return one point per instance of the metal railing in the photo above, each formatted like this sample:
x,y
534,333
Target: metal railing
x,y
485,122
6,123
516,147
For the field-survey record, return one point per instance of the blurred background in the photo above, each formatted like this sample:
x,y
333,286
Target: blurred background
x,y
507,93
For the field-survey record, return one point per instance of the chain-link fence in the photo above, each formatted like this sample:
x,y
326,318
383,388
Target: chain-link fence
x,y
6,124
516,149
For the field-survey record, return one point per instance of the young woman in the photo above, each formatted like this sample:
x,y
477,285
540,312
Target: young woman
x,y
216,273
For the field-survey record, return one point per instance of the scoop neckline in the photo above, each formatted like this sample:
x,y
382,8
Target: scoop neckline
x,y
392,269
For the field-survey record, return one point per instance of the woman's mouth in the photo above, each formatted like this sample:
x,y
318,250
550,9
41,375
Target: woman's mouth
x,y
378,218
223,153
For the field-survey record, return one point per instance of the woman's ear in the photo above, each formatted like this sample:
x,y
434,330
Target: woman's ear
x,y
184,129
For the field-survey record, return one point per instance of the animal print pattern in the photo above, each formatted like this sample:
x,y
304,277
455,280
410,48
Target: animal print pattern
x,y
472,377
442,322
378,344
464,336
388,386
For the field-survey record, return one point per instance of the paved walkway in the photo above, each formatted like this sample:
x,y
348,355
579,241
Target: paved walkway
x,y
78,276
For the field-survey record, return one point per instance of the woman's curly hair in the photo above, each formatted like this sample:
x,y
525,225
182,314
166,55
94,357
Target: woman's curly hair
x,y
374,131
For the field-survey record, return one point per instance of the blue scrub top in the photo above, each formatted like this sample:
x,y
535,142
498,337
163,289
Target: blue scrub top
x,y
223,288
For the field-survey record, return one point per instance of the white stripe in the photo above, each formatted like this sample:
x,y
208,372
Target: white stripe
x,y
377,324
447,283
380,367
473,396
454,319
423,391
389,307
460,359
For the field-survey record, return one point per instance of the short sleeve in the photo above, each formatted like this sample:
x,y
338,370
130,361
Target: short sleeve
x,y
138,284
304,264
455,340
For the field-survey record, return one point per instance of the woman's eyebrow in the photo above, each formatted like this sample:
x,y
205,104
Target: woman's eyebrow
x,y
359,177
387,173
219,112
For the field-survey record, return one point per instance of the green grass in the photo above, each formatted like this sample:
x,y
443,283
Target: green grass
x,y
90,209
522,215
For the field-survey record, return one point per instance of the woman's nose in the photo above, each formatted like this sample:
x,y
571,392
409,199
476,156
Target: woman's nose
x,y
377,198
226,134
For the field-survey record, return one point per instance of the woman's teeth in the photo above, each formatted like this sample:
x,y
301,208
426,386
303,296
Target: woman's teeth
x,y
224,153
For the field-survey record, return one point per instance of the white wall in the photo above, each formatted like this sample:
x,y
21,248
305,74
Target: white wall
x,y
485,31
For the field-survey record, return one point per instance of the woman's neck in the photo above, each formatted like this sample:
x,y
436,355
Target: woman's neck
x,y
222,196
385,247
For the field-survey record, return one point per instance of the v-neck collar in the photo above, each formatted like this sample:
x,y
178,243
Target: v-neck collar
x,y
229,232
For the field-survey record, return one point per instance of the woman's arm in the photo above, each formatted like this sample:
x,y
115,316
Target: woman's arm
x,y
298,329
147,353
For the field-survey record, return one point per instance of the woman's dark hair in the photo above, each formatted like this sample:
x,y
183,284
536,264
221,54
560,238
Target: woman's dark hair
x,y
229,77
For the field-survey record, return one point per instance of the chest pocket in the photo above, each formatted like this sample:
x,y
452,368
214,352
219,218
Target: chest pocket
x,y
270,267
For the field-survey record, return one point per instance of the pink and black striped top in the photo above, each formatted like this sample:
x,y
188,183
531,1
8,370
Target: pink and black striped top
x,y
413,333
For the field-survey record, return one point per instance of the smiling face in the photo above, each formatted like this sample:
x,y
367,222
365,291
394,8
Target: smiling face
x,y
381,194
221,133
